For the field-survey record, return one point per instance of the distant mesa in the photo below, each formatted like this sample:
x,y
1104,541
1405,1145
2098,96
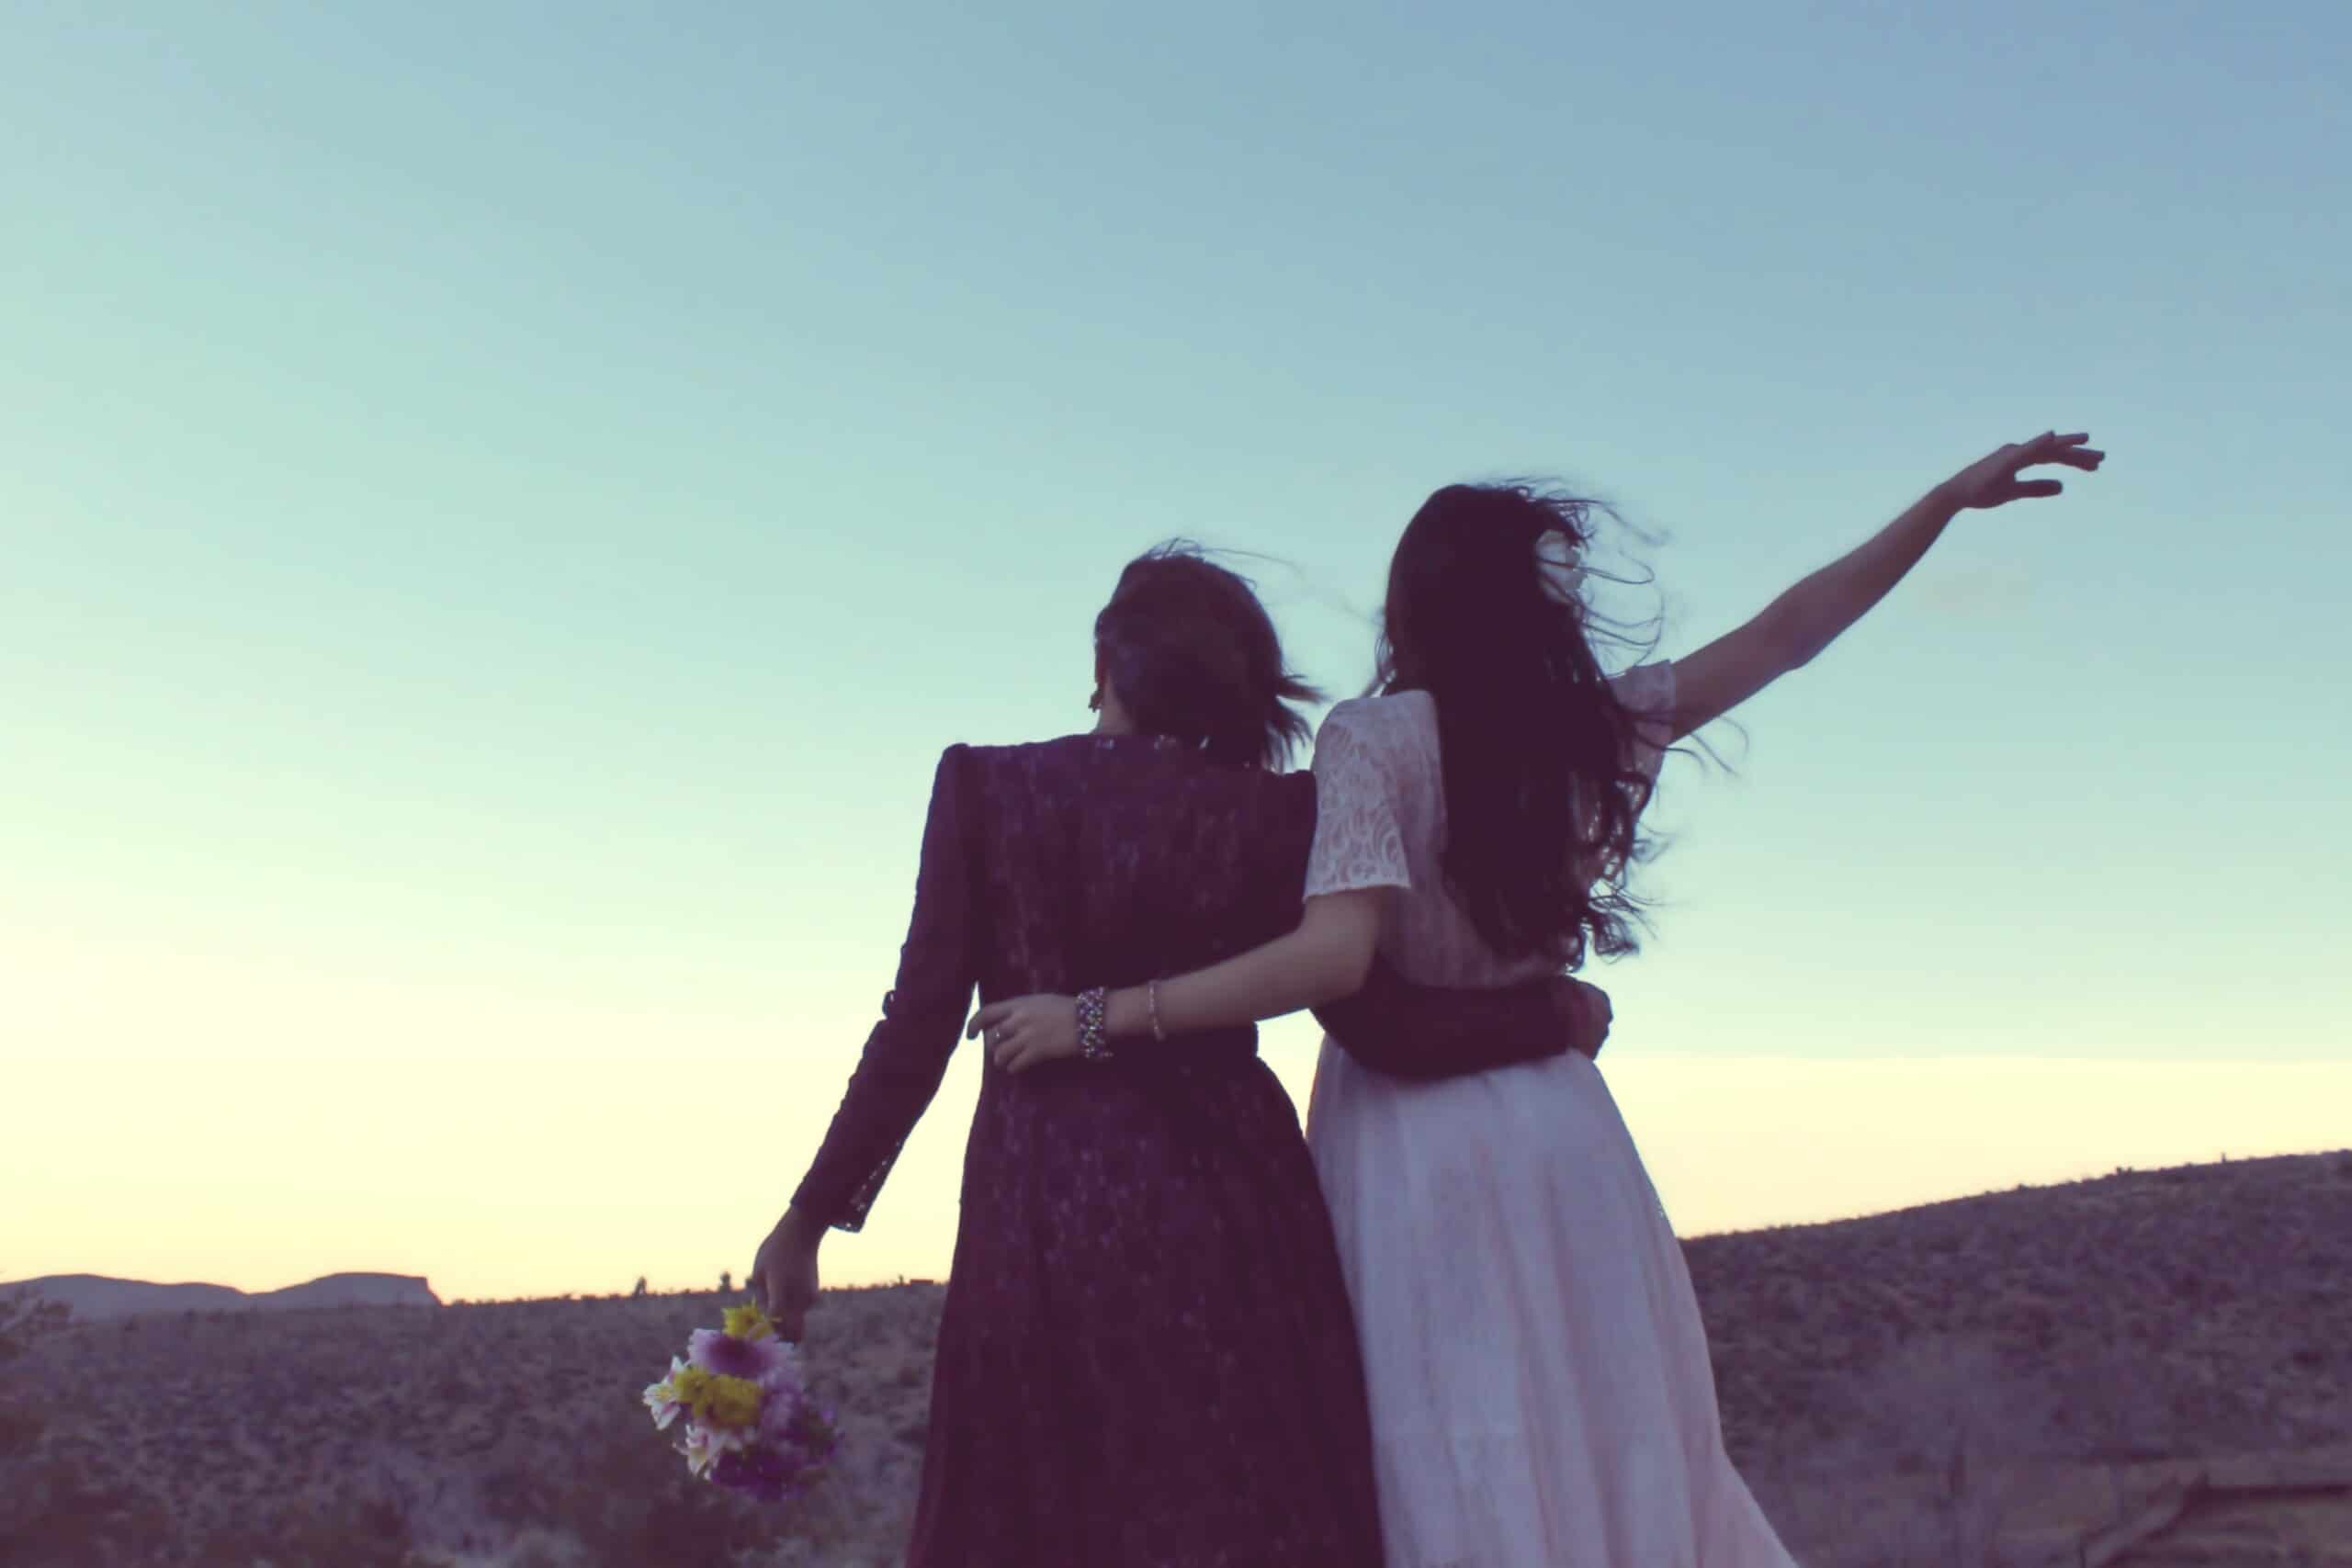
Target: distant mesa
x,y
93,1297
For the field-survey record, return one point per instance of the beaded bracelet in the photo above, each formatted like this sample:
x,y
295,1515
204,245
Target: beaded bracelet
x,y
1094,1036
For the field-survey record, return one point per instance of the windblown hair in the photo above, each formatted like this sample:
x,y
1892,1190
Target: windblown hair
x,y
1192,654
1542,792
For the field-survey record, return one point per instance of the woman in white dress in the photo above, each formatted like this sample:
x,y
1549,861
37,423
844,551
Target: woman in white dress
x,y
1540,1385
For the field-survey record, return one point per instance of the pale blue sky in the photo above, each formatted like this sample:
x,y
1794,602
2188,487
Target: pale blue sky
x,y
502,505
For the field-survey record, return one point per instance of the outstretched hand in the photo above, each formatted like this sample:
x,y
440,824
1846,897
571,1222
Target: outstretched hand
x,y
1992,480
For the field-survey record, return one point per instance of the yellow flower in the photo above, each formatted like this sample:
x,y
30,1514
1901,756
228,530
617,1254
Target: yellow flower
x,y
691,1389
716,1400
748,1321
734,1403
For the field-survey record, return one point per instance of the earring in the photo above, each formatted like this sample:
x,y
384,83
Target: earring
x,y
1094,703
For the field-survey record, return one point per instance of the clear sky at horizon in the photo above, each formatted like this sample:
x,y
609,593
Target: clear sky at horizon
x,y
503,504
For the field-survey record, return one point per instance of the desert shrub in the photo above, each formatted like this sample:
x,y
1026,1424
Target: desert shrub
x,y
624,1501
51,1515
545,1549
1931,1442
2110,1408
25,1320
366,1532
38,1502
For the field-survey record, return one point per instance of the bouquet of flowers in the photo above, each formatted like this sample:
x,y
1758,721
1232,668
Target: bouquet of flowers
x,y
750,1423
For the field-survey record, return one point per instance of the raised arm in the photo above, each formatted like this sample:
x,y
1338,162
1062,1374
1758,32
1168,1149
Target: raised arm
x,y
906,1056
1787,632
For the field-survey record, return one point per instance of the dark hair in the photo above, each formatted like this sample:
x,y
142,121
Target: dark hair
x,y
1542,792
1192,654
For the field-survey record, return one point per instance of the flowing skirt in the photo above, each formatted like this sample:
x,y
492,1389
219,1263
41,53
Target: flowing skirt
x,y
1146,1358
1538,1373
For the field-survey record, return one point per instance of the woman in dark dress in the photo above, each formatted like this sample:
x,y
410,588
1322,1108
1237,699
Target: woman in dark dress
x,y
1146,1358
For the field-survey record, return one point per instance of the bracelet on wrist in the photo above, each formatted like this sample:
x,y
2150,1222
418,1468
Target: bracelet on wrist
x,y
1094,1036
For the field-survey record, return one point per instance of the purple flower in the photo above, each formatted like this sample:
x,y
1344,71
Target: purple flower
x,y
763,1472
806,1431
755,1360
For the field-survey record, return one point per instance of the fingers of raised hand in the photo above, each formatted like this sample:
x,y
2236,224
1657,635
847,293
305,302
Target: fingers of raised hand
x,y
1996,481
988,1018
2052,447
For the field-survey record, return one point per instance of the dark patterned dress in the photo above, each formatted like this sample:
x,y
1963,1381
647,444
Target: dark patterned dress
x,y
1147,1358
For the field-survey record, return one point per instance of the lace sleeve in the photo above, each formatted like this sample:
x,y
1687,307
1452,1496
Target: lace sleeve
x,y
1357,840
1648,690
923,1019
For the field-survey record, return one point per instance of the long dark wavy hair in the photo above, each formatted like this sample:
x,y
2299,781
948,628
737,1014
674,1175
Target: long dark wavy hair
x,y
1542,792
1194,655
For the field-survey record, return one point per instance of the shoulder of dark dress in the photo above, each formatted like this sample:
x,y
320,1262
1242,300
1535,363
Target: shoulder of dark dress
x,y
1132,757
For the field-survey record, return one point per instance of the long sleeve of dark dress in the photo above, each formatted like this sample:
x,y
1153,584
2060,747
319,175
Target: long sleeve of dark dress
x,y
1391,1025
922,1017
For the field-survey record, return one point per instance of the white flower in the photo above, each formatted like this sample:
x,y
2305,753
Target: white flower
x,y
662,1398
700,1449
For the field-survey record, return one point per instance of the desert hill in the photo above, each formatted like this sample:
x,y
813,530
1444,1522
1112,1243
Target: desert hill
x,y
2152,1367
2186,1308
96,1297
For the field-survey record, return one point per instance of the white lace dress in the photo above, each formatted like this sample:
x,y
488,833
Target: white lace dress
x,y
1541,1391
